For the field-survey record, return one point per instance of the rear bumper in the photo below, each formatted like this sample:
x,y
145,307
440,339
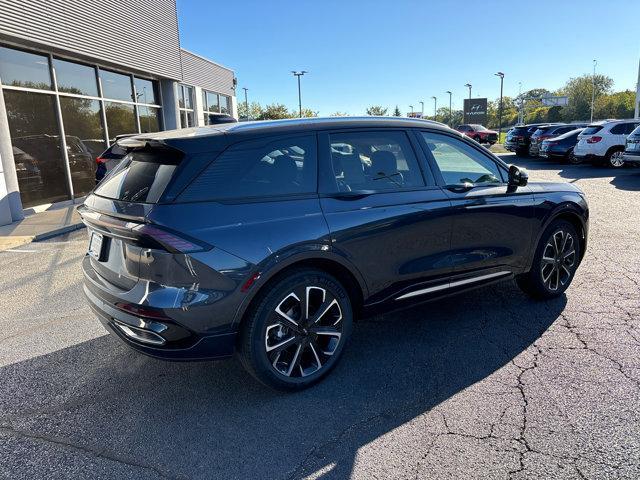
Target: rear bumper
x,y
631,157
170,340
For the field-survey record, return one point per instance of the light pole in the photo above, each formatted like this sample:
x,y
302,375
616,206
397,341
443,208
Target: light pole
x,y
246,101
468,85
299,74
450,113
520,103
593,87
637,111
435,107
501,75
422,108
411,107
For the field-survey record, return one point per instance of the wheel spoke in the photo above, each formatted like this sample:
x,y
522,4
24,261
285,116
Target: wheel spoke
x,y
295,360
328,331
547,279
548,260
285,315
307,295
282,345
324,308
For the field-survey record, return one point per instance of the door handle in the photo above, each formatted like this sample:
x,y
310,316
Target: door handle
x,y
460,187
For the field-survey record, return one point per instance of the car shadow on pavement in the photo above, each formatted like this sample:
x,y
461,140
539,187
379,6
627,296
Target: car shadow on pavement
x,y
212,420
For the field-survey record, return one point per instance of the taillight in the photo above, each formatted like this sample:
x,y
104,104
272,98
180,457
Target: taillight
x,y
594,139
173,242
100,160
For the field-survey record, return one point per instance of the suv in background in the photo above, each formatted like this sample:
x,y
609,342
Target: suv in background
x,y
479,133
549,131
632,147
604,142
519,138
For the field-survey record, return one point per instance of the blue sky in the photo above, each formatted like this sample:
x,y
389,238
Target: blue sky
x,y
361,53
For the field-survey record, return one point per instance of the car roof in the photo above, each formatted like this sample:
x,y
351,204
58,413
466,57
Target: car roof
x,y
292,125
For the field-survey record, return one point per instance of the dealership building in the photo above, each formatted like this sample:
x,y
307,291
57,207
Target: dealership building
x,y
75,74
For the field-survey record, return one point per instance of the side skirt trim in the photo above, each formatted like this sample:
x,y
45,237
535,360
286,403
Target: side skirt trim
x,y
446,286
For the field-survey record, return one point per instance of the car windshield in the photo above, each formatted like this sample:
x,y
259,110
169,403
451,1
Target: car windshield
x,y
636,131
479,128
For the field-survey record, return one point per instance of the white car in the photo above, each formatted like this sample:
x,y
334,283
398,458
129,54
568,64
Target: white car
x,y
604,141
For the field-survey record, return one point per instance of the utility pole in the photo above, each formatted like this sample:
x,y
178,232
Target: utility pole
x,y
501,75
422,109
520,119
435,109
299,74
637,113
593,87
246,102
450,112
468,85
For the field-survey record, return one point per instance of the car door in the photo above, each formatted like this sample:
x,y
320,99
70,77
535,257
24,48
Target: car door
x,y
385,213
492,221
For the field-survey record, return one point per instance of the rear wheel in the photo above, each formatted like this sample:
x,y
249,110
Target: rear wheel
x,y
572,159
615,159
298,330
555,262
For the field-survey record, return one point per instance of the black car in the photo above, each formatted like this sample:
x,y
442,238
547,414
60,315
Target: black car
x,y
549,131
561,147
111,157
518,138
632,147
268,238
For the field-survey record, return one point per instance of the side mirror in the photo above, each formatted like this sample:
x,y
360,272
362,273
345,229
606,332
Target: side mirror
x,y
518,177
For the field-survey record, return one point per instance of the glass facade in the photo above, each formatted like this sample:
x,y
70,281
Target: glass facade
x,y
214,103
185,102
75,100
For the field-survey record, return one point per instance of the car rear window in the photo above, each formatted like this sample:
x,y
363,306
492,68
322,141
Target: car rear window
x,y
141,177
592,129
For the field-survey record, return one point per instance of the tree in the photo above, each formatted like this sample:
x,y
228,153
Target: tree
x,y
616,105
396,112
339,114
255,110
579,91
377,110
306,112
275,111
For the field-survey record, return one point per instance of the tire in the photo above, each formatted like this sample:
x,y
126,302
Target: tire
x,y
478,139
614,159
522,152
572,159
553,268
277,345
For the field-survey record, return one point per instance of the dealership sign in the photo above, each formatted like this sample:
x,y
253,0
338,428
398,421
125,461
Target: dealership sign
x,y
475,110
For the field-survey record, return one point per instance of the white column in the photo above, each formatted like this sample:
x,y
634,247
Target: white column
x,y
198,107
9,189
170,111
234,107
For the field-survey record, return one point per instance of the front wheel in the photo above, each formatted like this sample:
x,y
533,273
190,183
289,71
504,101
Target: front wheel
x,y
555,262
297,331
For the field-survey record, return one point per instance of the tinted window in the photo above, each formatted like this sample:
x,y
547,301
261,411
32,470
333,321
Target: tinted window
x,y
36,147
211,102
591,130
116,86
186,97
149,119
258,168
560,131
75,78
141,177
459,162
145,91
636,131
374,161
224,104
619,129
630,128
24,69
121,119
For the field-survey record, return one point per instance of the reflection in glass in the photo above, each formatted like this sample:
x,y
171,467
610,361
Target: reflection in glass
x,y
224,104
85,140
186,100
22,69
186,119
149,119
120,119
145,91
75,78
116,86
212,102
36,147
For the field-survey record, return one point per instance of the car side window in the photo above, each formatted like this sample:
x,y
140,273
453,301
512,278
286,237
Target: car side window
x,y
459,162
619,129
378,161
630,128
258,168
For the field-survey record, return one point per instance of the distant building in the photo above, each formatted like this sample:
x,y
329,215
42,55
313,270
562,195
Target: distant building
x,y
75,74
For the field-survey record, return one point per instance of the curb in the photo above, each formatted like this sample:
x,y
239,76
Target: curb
x,y
57,232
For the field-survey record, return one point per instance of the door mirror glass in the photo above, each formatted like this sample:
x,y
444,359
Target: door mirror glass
x,y
518,177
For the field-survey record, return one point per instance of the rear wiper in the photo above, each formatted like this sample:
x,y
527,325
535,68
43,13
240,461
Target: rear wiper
x,y
139,193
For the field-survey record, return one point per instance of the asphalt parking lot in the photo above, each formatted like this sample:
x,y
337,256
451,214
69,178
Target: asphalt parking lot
x,y
489,384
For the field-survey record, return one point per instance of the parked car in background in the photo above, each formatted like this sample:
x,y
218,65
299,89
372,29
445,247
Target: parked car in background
x,y
549,131
479,133
632,147
561,147
268,238
111,157
604,142
518,138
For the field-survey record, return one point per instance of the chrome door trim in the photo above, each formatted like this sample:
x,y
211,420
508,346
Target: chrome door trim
x,y
458,283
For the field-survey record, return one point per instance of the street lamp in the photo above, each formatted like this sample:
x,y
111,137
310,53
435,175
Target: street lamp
x,y
450,112
468,85
299,74
501,75
435,105
593,87
246,101
422,108
411,107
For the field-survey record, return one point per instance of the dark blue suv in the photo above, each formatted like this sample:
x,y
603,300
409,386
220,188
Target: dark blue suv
x,y
267,238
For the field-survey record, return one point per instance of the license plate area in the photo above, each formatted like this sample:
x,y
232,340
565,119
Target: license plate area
x,y
96,246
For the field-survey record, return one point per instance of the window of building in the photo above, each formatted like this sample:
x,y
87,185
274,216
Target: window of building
x,y
185,102
37,151
121,119
116,86
149,119
376,161
214,104
146,91
22,69
75,78
258,168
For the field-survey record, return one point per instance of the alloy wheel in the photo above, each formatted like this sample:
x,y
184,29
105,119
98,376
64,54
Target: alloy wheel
x,y
558,260
304,331
616,159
